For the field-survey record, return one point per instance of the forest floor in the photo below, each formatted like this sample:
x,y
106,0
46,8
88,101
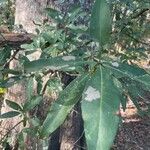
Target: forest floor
x,y
134,133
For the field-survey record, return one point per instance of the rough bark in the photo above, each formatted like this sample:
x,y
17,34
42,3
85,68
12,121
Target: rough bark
x,y
15,40
71,131
28,12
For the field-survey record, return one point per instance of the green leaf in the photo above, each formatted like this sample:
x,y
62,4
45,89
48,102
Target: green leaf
x,y
13,105
123,100
73,14
145,80
53,14
100,26
32,103
56,63
135,90
9,114
123,97
35,122
5,54
54,84
11,71
61,108
99,110
3,90
20,139
30,131
131,71
10,81
125,70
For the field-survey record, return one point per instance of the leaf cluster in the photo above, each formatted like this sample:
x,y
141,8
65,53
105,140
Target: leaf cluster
x,y
104,78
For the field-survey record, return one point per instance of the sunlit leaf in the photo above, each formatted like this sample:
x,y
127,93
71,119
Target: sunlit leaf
x,y
100,106
145,80
9,114
61,108
125,70
53,14
4,54
13,105
3,90
100,26
123,96
32,103
56,63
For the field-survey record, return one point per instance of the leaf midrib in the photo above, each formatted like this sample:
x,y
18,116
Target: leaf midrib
x,y
101,101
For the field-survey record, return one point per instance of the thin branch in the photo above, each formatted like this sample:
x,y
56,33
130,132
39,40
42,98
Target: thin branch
x,y
15,39
136,40
12,57
134,17
140,13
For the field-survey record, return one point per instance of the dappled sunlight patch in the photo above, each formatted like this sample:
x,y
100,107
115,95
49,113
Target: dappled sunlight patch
x,y
57,67
91,94
68,58
115,64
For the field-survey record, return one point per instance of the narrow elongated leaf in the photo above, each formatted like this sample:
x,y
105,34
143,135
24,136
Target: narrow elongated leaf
x,y
123,100
32,103
13,105
10,71
100,26
9,114
57,63
58,112
145,80
53,14
99,110
123,97
20,139
123,69
135,90
4,53
133,72
10,81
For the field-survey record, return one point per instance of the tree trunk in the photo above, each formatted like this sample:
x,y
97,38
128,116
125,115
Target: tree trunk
x,y
71,131
28,12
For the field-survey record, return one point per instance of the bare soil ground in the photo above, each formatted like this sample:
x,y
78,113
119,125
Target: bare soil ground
x,y
134,133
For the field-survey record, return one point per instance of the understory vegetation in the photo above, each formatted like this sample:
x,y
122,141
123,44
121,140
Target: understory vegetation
x,y
105,50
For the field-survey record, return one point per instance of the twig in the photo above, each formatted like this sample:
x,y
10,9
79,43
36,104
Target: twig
x,y
140,13
134,17
12,57
136,40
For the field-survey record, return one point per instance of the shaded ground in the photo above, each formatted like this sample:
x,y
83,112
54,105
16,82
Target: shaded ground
x,y
134,134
